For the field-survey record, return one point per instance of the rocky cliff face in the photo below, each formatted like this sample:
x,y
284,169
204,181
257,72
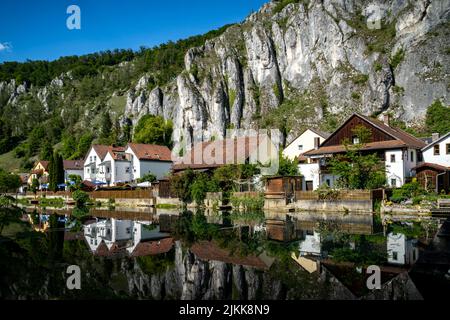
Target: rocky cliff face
x,y
329,53
328,56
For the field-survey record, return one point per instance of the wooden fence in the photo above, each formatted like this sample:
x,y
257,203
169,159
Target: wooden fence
x,y
122,194
341,195
104,194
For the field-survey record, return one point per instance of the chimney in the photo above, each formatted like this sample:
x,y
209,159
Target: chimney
x,y
387,119
435,137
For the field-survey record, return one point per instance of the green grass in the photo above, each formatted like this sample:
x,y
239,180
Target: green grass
x,y
9,162
166,206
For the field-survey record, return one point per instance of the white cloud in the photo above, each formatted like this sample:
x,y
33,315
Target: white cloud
x,y
5,46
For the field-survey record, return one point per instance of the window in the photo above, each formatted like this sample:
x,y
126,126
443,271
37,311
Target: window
x,y
127,170
394,255
95,158
448,148
355,139
392,158
329,182
437,150
88,170
108,170
393,182
300,147
316,142
90,158
412,156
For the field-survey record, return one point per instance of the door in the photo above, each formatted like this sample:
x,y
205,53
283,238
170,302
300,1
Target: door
x,y
309,186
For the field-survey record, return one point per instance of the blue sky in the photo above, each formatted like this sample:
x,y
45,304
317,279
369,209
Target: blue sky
x,y
36,29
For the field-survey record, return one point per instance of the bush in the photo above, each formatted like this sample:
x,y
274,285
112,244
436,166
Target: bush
x,y
407,191
80,197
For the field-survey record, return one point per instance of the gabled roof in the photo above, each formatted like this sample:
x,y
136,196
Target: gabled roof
x,y
43,163
73,164
151,152
151,248
435,166
396,133
322,134
242,149
399,137
437,141
101,150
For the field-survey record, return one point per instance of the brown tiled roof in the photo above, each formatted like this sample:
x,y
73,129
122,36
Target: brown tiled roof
x,y
151,248
24,177
396,133
117,153
38,171
101,150
243,147
151,152
73,164
44,163
391,144
116,250
400,139
433,166
211,251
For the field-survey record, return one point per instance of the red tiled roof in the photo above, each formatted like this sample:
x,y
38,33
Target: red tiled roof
x,y
211,251
151,152
38,171
101,150
432,165
73,164
153,247
242,149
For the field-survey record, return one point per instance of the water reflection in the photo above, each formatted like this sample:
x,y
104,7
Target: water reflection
x,y
153,254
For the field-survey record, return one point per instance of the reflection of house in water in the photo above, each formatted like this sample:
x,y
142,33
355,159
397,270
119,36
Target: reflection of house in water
x,y
401,250
111,237
311,245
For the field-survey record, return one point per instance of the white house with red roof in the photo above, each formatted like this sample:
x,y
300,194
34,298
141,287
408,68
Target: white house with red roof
x,y
73,167
111,165
400,151
148,158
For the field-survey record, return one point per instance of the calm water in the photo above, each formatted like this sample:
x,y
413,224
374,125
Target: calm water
x,y
149,254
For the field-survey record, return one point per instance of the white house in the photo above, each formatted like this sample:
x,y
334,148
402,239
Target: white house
x,y
110,165
401,250
310,139
147,158
434,172
311,245
438,151
399,150
73,167
109,232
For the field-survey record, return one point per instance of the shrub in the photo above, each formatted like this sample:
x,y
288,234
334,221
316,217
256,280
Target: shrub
x,y
80,197
407,191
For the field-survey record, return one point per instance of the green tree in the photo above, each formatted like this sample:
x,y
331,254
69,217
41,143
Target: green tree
x,y
80,197
287,167
34,186
69,146
438,118
9,182
153,130
74,182
180,185
46,150
56,171
357,169
148,177
84,144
